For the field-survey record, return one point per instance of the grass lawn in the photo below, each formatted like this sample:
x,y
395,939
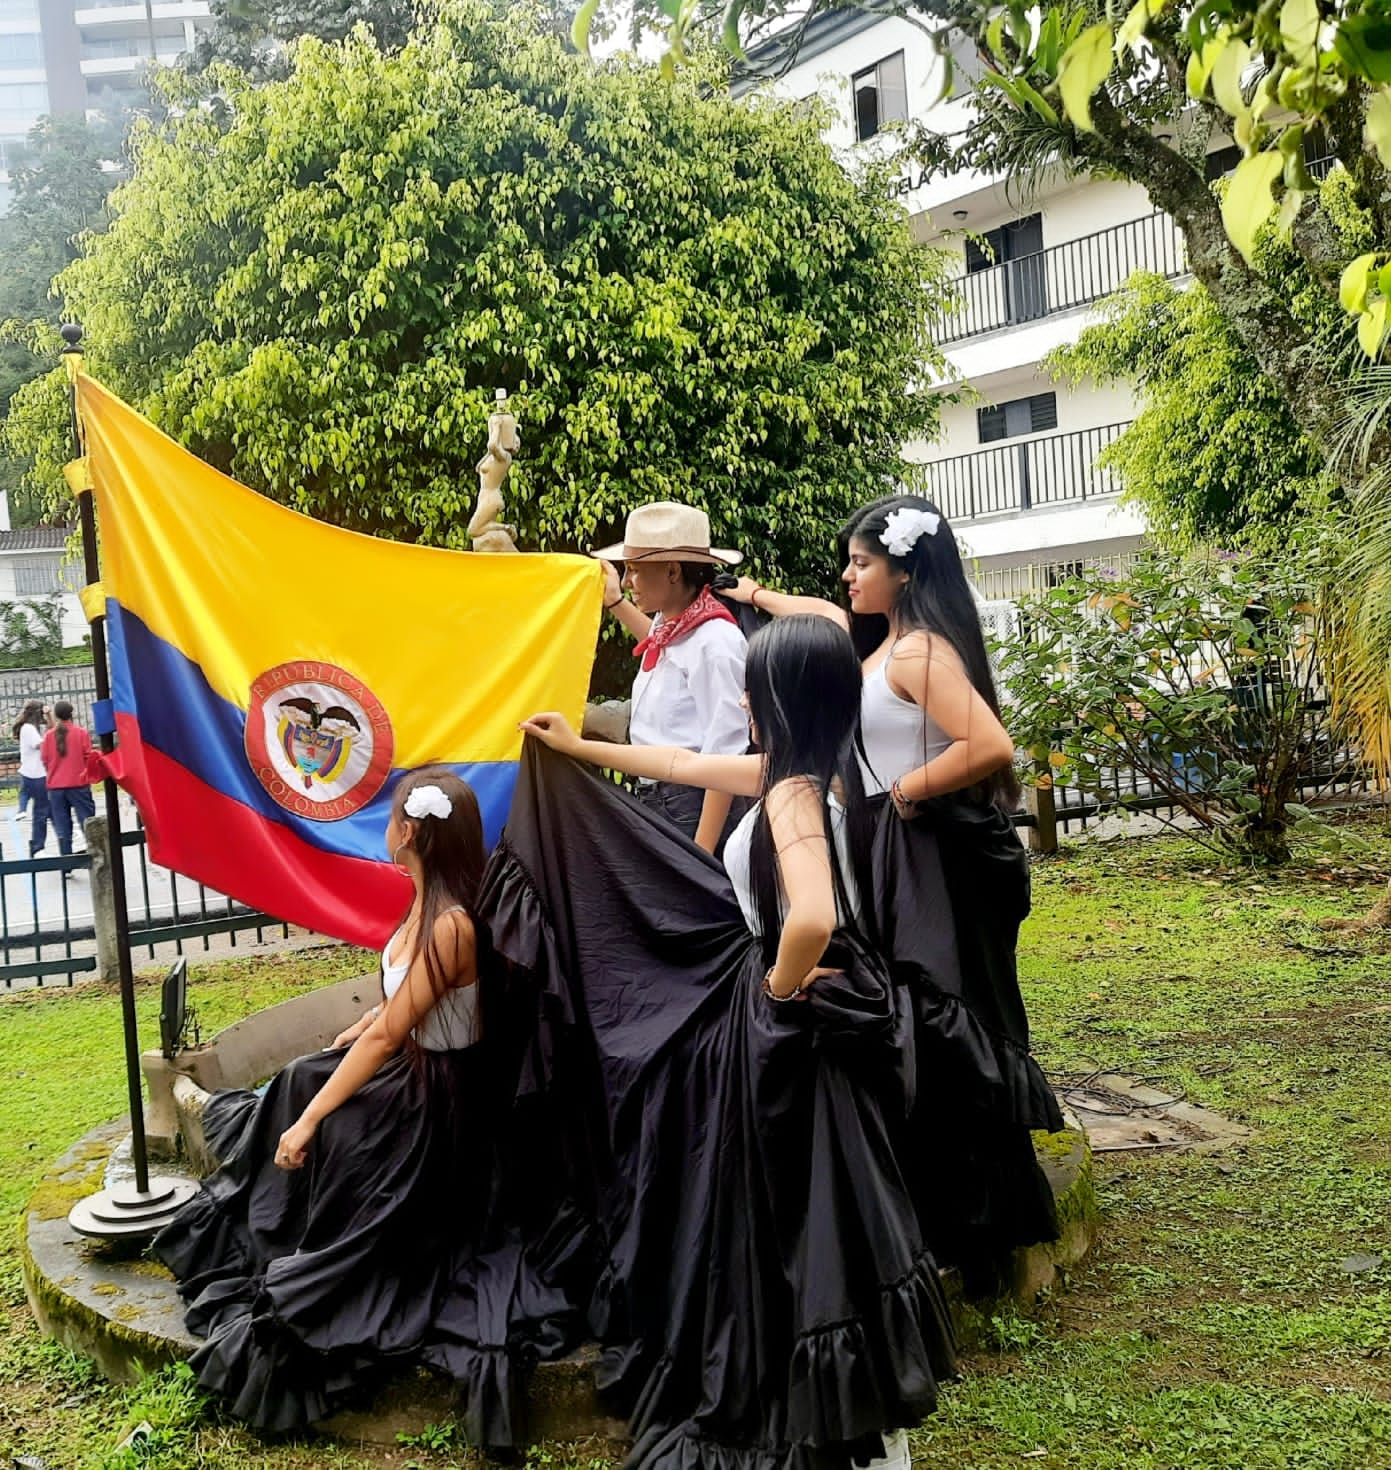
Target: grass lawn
x,y
1234,1315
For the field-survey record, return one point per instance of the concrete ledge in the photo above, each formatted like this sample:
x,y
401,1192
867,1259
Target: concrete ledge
x,y
124,1312
110,1305
244,1055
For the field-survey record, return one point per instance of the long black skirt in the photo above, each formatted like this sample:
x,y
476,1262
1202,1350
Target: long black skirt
x,y
765,1297
952,888
308,1285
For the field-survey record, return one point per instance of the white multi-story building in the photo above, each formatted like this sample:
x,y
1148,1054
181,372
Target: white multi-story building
x,y
118,40
88,56
37,565
1014,469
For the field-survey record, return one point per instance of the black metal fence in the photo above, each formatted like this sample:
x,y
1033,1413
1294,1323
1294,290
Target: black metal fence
x,y
47,932
74,682
1063,277
1020,475
1331,773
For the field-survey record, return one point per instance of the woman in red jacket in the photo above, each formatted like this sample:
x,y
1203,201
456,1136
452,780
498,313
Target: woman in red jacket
x,y
64,751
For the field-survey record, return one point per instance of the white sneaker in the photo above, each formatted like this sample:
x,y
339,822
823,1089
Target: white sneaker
x,y
21,816
896,1456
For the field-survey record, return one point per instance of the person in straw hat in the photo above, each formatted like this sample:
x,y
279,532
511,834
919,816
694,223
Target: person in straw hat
x,y
690,679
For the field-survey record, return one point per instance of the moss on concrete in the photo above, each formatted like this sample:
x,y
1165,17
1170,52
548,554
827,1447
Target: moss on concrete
x,y
78,1174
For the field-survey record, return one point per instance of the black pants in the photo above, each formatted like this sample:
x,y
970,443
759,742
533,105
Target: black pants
x,y
681,806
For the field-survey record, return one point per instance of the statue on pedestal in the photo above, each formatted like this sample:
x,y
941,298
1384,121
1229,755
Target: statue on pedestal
x,y
486,530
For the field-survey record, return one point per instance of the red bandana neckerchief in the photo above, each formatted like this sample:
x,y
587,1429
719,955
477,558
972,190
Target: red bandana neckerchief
x,y
705,609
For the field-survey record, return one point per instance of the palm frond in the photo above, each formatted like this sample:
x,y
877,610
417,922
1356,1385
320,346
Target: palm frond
x,y
1356,611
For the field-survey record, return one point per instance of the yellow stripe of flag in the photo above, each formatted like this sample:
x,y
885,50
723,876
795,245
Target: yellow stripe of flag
x,y
457,646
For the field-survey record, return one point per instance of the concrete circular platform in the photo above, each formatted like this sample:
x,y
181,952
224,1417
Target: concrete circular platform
x,y
121,1309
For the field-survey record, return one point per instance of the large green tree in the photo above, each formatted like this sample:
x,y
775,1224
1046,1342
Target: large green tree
x,y
319,286
1213,454
59,192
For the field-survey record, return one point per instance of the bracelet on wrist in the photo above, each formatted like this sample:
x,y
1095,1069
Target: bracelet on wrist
x,y
609,606
900,799
753,596
772,994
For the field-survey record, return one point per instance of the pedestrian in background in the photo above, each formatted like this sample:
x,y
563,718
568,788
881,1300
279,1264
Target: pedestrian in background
x,y
33,782
65,750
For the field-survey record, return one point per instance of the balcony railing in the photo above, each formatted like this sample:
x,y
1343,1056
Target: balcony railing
x,y
1064,276
1009,584
1020,475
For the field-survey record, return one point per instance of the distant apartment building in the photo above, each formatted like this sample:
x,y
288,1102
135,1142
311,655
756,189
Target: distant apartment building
x,y
57,57
1015,470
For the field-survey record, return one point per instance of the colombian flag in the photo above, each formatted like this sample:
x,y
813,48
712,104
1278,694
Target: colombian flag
x,y
273,676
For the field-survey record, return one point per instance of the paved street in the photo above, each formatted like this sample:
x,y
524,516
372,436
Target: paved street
x,y
57,905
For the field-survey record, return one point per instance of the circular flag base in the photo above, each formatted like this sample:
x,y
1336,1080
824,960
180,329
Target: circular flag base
x,y
125,1212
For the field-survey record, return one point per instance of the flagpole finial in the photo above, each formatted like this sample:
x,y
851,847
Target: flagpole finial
x,y
71,333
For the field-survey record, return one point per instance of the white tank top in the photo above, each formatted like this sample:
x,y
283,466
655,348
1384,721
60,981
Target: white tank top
x,y
736,864
898,735
451,1024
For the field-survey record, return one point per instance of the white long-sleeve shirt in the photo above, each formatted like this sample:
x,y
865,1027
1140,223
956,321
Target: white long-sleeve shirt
x,y
30,761
691,698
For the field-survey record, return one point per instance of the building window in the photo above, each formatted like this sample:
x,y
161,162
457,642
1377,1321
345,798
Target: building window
x,y
968,63
1034,415
21,106
1014,241
21,50
38,576
1019,290
881,96
105,47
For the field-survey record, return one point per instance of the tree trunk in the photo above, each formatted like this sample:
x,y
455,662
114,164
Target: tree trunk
x,y
1255,307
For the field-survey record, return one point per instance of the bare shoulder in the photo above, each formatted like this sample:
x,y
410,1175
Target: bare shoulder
x,y
918,648
455,940
794,807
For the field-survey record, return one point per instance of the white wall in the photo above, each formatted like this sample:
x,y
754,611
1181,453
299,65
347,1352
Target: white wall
x,y
1065,533
1092,207
1088,406
828,74
74,621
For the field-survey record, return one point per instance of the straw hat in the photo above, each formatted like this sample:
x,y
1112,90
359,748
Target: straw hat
x,y
665,531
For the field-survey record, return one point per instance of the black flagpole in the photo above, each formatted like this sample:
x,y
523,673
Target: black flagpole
x,y
119,1212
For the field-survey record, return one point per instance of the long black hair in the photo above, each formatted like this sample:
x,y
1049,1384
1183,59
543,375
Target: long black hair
x,y
451,856
804,683
936,599
32,714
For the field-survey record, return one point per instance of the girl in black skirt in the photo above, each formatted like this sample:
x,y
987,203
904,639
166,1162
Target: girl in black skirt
x,y
352,1193
951,878
729,1058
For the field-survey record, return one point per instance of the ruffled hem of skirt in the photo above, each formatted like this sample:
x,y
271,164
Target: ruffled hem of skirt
x,y
979,1067
867,1375
492,1399
200,1242
847,1381
266,1374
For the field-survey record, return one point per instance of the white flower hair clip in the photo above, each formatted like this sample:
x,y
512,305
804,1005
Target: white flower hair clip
x,y
428,801
903,527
